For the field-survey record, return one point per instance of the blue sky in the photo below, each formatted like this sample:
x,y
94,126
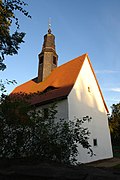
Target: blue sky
x,y
80,26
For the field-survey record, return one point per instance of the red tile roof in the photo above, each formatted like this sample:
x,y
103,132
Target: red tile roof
x,y
60,81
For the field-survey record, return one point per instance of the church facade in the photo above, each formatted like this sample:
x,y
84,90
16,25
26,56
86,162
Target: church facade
x,y
75,88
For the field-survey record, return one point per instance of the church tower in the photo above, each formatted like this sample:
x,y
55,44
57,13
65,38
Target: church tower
x,y
47,58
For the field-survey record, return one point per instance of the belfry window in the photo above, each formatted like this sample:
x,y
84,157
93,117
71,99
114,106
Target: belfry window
x,y
41,60
54,60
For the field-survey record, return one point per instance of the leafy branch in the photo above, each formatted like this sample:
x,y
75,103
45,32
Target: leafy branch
x,y
10,43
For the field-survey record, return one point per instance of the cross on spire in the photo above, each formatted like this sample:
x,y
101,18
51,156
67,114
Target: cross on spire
x,y
49,26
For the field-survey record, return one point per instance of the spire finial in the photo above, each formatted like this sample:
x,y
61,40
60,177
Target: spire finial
x,y
49,26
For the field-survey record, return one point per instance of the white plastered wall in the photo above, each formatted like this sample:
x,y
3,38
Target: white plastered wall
x,y
61,107
85,100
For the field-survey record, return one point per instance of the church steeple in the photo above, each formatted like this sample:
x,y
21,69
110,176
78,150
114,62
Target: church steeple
x,y
47,58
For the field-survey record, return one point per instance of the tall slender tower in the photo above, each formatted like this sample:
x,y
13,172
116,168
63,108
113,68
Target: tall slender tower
x,y
47,58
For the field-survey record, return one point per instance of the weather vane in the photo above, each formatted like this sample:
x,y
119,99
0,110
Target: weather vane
x,y
49,25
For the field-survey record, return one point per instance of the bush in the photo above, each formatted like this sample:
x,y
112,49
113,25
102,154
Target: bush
x,y
25,133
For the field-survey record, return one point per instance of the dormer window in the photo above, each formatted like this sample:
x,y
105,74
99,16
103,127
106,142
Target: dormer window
x,y
54,60
41,60
49,88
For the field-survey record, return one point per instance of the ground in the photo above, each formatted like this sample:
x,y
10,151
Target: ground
x,y
51,171
106,163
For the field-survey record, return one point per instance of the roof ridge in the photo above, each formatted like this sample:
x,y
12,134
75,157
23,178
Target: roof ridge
x,y
84,55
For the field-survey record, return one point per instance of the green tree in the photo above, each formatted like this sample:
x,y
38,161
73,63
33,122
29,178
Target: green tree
x,y
28,133
10,41
114,123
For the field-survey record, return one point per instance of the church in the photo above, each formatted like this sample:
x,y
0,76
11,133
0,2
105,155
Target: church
x,y
75,88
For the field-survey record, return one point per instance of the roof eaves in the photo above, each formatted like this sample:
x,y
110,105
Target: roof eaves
x,y
49,101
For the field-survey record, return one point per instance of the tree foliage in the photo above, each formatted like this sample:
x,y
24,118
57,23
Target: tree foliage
x,y
29,133
10,42
114,123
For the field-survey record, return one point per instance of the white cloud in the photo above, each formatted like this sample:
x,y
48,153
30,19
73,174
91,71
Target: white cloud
x,y
105,71
115,89
112,89
113,100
